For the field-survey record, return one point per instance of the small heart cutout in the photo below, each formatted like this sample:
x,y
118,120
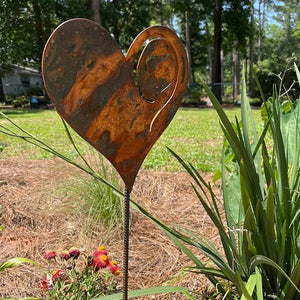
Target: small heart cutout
x,y
119,104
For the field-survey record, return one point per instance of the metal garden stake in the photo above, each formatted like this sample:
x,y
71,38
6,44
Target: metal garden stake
x,y
120,104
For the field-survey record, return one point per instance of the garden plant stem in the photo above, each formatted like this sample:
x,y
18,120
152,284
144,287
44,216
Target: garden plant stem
x,y
126,242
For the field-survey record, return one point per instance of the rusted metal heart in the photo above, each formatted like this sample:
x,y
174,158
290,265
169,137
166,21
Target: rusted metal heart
x,y
119,105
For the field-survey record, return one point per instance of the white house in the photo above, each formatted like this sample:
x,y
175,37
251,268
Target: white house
x,y
22,78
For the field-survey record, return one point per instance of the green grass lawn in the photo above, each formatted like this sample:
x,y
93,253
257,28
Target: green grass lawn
x,y
194,134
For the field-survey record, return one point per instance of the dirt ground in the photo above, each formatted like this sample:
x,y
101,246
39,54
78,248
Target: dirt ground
x,y
38,215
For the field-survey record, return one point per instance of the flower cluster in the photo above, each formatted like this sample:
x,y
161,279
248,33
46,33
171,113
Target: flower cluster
x,y
101,260
64,255
74,280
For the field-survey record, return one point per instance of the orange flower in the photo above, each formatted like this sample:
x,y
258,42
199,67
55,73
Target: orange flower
x,y
49,255
57,274
100,251
100,262
113,268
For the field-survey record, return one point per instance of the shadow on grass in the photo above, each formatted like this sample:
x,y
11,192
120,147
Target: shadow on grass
x,y
21,111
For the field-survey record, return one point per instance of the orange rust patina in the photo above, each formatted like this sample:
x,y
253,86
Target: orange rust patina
x,y
119,104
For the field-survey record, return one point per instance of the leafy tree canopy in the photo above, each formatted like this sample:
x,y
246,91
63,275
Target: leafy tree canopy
x,y
125,19
26,25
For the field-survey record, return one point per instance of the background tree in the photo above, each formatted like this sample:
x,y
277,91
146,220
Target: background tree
x,y
251,46
162,12
194,21
25,27
217,63
280,48
125,19
94,5
12,44
217,34
236,32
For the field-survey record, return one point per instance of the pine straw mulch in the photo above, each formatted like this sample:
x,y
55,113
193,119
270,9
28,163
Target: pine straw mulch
x,y
39,213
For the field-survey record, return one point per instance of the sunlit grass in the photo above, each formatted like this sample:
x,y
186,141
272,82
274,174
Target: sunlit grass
x,y
194,134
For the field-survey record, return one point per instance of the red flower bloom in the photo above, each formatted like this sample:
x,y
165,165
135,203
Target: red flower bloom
x,y
100,262
74,252
57,274
44,284
49,255
65,255
100,251
113,268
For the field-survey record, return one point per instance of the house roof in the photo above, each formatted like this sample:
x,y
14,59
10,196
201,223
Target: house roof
x,y
27,70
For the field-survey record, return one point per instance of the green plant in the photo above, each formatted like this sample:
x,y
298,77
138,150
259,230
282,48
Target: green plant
x,y
261,233
2,146
14,262
20,101
101,204
80,276
195,98
34,91
85,281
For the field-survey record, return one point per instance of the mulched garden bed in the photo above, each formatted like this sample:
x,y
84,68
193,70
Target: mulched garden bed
x,y
39,213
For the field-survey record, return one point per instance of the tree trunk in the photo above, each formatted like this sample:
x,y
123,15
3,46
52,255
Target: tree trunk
x,y
216,75
209,54
251,54
259,31
222,86
236,74
94,5
188,50
261,18
38,21
288,30
2,95
161,14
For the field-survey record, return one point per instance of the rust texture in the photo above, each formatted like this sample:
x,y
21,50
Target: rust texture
x,y
120,104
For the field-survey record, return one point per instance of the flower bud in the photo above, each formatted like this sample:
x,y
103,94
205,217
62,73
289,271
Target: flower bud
x,y
74,252
89,261
49,255
65,255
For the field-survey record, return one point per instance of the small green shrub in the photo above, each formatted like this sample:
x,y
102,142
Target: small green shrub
x,y
2,147
17,101
195,98
284,80
34,91
99,202
255,101
20,101
9,99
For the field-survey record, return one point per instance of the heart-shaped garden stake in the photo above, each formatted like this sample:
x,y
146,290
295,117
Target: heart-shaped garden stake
x,y
120,104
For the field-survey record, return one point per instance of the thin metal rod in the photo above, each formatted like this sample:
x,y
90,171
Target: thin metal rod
x,y
126,242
